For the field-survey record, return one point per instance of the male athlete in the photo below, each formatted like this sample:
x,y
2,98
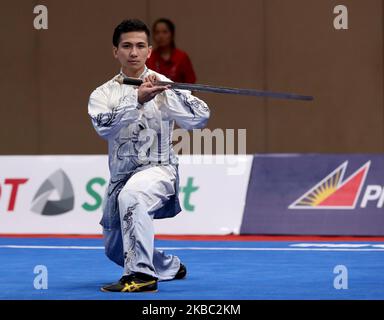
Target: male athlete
x,y
138,122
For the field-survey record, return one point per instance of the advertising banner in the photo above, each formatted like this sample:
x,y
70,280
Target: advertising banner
x,y
318,194
63,194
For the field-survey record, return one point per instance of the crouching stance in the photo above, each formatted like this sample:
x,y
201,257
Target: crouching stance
x,y
138,122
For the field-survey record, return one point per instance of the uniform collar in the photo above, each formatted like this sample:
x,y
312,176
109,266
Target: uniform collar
x,y
140,77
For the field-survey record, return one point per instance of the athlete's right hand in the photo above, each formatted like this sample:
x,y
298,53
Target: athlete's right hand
x,y
148,90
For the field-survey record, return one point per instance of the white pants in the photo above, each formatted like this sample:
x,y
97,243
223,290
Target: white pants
x,y
132,246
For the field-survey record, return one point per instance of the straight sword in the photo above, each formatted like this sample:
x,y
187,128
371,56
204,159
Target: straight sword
x,y
208,88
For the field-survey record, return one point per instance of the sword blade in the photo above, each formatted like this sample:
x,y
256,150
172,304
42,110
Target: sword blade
x,y
236,91
217,89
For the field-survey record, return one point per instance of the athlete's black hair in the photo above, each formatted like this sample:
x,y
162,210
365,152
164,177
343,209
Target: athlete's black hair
x,y
129,25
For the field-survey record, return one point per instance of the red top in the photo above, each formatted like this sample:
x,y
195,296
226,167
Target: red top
x,y
178,68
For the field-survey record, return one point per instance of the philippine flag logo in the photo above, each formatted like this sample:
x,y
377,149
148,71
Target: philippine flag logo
x,y
334,193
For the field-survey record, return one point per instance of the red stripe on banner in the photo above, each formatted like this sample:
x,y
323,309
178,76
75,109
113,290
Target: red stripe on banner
x,y
210,237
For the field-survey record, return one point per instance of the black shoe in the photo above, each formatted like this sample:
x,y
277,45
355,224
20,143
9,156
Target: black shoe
x,y
181,273
138,282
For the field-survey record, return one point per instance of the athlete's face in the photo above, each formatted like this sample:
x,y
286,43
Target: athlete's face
x,y
133,51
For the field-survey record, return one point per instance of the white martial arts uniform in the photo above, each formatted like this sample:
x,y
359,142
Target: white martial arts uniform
x,y
143,167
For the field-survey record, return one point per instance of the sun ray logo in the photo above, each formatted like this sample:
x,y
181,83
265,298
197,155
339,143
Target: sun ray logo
x,y
334,193
59,182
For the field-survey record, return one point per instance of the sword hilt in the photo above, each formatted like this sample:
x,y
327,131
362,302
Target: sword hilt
x,y
129,81
138,82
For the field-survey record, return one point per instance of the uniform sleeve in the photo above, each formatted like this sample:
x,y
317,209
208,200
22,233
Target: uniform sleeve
x,y
108,120
188,111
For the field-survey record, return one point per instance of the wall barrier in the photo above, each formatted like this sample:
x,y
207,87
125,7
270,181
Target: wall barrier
x,y
295,194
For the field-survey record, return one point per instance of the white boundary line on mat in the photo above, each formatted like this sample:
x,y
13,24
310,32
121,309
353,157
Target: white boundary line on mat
x,y
195,248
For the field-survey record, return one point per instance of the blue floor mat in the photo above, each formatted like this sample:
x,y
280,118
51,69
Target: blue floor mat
x,y
228,270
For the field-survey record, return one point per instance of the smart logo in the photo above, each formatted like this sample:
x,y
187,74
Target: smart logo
x,y
186,190
56,194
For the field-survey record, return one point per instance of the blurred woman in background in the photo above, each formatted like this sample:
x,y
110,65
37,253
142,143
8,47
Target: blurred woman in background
x,y
166,58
